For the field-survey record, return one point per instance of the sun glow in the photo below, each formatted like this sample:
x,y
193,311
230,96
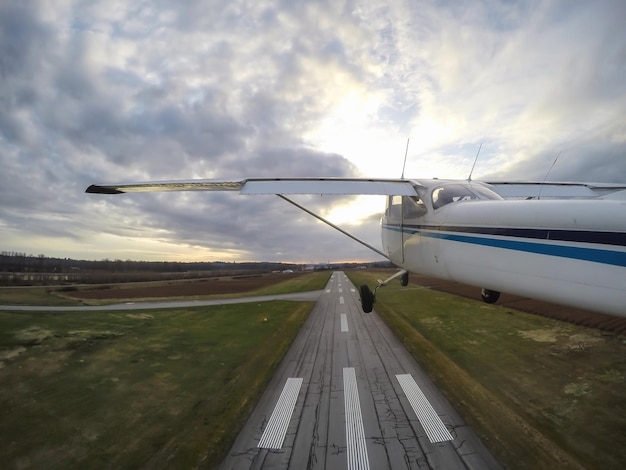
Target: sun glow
x,y
354,129
355,212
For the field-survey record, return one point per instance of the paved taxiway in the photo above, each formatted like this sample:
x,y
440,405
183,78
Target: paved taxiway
x,y
297,296
348,395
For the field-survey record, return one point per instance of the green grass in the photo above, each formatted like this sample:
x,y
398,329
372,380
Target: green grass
x,y
542,393
167,388
34,296
308,282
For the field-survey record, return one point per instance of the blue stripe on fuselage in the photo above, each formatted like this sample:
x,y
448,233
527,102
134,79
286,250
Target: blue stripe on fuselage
x,y
596,255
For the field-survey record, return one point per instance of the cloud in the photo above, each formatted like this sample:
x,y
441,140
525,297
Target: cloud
x,y
117,91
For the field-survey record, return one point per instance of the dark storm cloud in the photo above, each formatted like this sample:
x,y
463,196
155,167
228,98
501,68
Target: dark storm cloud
x,y
23,38
589,160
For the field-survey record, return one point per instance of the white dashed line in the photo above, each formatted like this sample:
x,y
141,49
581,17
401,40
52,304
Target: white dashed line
x,y
344,322
426,414
276,428
355,434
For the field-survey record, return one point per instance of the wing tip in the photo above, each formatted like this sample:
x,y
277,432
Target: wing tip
x,y
98,189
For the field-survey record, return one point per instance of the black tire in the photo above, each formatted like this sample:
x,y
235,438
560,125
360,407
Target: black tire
x,y
367,298
490,296
404,280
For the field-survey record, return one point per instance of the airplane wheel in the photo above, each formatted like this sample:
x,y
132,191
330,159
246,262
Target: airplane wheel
x,y
490,296
404,280
367,298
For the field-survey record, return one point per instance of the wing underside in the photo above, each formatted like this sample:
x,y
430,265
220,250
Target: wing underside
x,y
329,186
278,186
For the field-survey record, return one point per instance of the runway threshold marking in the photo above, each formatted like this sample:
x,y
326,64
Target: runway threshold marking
x,y
276,428
355,434
344,322
426,414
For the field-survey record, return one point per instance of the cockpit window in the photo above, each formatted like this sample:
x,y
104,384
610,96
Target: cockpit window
x,y
485,193
407,207
394,207
413,207
457,192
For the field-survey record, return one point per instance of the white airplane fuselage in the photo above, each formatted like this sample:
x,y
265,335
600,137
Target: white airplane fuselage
x,y
571,252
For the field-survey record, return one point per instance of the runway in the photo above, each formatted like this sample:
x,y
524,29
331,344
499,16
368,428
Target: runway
x,y
349,396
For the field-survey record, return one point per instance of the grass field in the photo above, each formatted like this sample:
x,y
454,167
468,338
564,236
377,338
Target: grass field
x,y
159,389
542,393
34,296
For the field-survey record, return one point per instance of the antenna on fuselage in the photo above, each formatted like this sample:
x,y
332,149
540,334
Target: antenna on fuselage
x,y
469,178
406,152
546,177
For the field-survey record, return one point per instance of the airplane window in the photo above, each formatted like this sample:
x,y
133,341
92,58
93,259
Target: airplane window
x,y
413,207
485,193
451,193
394,210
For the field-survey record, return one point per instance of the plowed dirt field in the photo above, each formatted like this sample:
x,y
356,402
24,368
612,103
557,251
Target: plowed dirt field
x,y
196,287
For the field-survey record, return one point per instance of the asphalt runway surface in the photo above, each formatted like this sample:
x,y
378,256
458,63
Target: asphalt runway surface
x,y
349,395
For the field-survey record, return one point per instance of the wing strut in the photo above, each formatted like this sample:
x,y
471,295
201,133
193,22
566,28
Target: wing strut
x,y
328,222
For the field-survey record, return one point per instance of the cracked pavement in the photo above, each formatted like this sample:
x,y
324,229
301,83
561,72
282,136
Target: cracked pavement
x,y
316,436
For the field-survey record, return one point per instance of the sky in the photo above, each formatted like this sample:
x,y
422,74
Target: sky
x,y
117,91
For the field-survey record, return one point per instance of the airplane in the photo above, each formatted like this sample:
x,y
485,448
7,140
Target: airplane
x,y
559,242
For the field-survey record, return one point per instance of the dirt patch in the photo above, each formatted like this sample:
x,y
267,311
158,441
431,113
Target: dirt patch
x,y
542,336
201,287
140,316
432,321
11,353
33,335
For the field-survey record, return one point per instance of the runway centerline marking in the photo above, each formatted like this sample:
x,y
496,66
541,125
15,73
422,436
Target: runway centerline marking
x,y
341,301
355,434
276,429
426,414
344,323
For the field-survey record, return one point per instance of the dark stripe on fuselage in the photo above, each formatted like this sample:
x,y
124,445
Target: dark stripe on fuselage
x,y
577,236
520,240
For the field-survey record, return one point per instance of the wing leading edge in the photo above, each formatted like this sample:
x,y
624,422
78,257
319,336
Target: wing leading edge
x,y
252,186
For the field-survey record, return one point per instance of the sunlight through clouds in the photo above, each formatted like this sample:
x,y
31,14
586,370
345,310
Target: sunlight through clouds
x,y
107,91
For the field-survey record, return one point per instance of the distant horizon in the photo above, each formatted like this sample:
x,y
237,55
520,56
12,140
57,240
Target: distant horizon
x,y
10,253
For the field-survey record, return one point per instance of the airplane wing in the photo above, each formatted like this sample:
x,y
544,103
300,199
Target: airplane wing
x,y
327,186
280,187
556,190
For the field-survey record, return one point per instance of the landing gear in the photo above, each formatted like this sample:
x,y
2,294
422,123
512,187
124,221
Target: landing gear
x,y
367,298
490,296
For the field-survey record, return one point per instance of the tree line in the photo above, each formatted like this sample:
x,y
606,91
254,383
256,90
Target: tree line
x,y
11,261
